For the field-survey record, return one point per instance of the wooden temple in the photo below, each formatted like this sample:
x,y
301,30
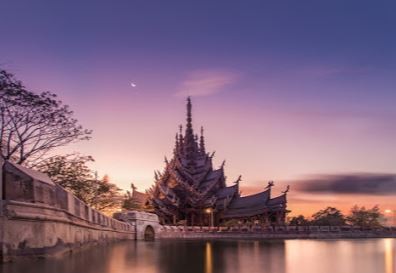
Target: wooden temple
x,y
191,191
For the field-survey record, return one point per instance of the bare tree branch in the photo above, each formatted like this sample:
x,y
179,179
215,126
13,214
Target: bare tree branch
x,y
33,124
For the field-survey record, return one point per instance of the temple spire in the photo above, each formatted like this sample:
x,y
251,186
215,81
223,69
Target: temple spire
x,y
189,139
181,145
189,129
202,142
176,150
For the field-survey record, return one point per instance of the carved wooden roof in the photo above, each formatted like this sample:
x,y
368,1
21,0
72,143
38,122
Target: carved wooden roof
x,y
189,181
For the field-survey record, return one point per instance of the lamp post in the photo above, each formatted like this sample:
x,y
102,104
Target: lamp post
x,y
210,212
392,216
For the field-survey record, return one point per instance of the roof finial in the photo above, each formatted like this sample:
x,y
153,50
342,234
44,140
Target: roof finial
x,y
176,150
156,176
237,183
270,184
287,189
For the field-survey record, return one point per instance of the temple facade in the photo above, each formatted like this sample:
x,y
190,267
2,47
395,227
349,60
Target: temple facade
x,y
191,191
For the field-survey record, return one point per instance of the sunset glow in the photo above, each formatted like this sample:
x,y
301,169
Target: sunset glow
x,y
286,107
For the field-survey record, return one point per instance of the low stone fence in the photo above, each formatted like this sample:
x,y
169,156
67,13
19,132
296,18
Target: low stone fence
x,y
38,230
24,185
39,218
275,232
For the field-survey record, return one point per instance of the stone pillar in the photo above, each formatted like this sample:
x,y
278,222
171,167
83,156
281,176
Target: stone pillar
x,y
266,219
278,218
283,214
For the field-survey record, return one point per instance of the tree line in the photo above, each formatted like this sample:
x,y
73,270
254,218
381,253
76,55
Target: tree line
x,y
330,216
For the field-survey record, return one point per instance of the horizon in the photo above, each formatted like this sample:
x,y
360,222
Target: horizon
x,y
280,98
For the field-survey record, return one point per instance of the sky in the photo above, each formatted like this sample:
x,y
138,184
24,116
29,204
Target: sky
x,y
299,92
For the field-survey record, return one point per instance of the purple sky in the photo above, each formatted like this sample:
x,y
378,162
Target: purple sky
x,y
284,90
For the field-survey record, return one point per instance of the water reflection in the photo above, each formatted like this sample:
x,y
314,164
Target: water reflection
x,y
208,258
228,256
390,255
341,256
254,256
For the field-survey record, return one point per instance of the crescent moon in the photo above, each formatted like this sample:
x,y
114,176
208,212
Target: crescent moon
x,y
133,84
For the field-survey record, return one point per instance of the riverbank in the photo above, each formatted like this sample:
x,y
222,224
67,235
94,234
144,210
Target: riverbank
x,y
234,235
287,232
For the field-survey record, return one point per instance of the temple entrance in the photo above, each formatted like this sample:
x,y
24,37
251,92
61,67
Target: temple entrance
x,y
149,233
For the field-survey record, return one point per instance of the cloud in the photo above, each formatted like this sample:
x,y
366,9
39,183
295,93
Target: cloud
x,y
206,82
369,184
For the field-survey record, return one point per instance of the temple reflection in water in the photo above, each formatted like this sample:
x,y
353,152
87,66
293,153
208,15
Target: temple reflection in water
x,y
232,256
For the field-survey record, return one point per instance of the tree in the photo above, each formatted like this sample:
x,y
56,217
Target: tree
x,y
299,220
73,173
328,217
134,200
33,124
362,217
130,203
106,196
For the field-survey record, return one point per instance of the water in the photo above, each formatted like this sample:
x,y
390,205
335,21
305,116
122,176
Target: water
x,y
241,256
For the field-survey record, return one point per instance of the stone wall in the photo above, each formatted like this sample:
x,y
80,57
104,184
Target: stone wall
x,y
40,230
39,218
142,221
